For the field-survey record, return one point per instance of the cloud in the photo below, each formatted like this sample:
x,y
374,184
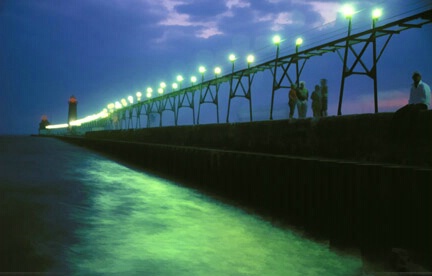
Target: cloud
x,y
208,32
182,14
237,4
278,21
327,10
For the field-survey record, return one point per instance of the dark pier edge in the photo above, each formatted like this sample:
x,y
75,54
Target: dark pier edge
x,y
345,179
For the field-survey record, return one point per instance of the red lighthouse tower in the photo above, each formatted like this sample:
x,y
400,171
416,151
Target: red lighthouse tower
x,y
72,114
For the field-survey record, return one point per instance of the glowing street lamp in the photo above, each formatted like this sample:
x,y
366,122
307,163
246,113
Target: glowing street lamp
x,y
123,102
193,80
163,85
376,14
298,42
250,59
276,40
130,99
138,95
232,58
202,70
180,80
118,105
111,107
348,11
149,92
217,71
174,86
160,90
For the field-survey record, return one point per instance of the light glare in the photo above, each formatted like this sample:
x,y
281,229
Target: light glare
x,y
232,57
299,41
348,11
217,70
376,13
250,58
276,39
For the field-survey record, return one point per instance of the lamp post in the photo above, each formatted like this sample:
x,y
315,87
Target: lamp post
x,y
138,121
174,86
193,80
348,12
138,95
298,42
217,71
111,107
376,14
202,70
149,92
250,59
232,58
179,80
276,41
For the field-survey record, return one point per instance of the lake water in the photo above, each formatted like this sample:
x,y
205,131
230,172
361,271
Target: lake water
x,y
68,210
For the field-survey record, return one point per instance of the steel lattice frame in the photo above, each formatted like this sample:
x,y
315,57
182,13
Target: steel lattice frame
x,y
279,68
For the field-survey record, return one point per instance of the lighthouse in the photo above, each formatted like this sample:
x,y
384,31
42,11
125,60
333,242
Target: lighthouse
x,y
72,114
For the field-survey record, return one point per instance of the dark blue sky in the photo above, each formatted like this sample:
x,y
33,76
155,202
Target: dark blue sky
x,y
104,50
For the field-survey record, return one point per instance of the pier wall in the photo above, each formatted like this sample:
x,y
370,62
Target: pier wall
x,y
345,179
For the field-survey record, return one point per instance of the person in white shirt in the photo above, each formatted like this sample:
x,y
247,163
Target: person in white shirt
x,y
405,118
420,92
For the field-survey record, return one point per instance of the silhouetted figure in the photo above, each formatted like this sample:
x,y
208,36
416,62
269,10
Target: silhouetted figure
x,y
324,97
406,117
292,99
316,101
302,95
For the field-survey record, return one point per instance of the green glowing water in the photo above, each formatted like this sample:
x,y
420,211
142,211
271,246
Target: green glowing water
x,y
139,224
70,211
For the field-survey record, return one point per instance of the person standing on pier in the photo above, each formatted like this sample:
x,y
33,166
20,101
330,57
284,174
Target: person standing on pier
x,y
420,94
419,98
302,95
406,117
316,102
292,99
324,97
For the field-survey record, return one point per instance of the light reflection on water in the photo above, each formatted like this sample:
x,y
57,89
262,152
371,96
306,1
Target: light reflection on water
x,y
135,223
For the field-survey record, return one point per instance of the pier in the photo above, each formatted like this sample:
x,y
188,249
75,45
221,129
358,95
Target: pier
x,y
342,179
